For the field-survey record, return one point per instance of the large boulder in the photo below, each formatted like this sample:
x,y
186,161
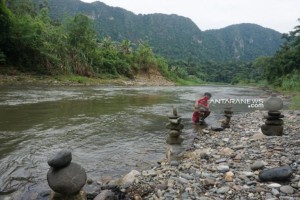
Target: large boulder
x,y
68,180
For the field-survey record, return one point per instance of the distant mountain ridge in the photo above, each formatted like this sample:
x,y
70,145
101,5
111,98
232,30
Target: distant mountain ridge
x,y
173,36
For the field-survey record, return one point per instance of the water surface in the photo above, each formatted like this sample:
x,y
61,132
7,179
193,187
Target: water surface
x,y
110,130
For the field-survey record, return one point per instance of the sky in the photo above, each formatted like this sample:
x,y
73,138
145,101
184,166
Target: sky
x,y
280,15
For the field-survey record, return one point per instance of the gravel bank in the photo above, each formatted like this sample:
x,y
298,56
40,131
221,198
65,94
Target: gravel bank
x,y
226,164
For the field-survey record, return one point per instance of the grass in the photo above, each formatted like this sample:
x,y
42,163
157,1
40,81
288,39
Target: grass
x,y
295,103
72,78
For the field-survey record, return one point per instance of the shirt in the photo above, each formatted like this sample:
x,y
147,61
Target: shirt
x,y
203,101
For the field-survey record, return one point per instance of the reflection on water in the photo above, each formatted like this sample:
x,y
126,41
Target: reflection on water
x,y
110,130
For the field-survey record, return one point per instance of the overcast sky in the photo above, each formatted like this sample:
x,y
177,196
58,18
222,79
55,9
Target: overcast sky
x,y
280,15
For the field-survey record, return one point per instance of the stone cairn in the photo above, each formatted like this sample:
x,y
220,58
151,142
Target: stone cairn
x,y
274,124
174,138
228,114
175,127
65,178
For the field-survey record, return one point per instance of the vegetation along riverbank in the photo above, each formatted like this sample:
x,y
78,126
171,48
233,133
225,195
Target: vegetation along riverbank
x,y
35,40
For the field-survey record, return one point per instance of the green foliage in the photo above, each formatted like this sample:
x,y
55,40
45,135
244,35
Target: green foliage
x,y
295,103
282,70
38,44
173,36
2,57
291,82
5,24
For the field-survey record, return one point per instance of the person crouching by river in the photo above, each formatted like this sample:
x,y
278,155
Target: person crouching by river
x,y
201,109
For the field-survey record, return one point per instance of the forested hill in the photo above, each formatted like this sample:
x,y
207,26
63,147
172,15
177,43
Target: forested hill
x,y
173,36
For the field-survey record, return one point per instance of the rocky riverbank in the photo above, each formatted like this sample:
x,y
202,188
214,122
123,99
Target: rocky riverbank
x,y
218,165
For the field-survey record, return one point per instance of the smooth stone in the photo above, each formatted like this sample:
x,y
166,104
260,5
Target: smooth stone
x,y
186,176
251,183
175,121
175,140
277,122
221,160
61,159
161,186
223,168
80,196
275,191
215,128
205,131
149,173
68,180
257,165
174,152
272,130
274,185
276,174
173,116
248,174
174,163
271,117
287,189
174,126
274,113
208,182
226,151
106,195
223,190
129,178
174,133
273,103
229,176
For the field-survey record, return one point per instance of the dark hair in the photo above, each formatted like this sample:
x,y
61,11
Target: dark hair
x,y
207,94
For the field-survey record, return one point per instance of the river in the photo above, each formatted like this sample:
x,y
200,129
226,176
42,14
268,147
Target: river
x,y
110,130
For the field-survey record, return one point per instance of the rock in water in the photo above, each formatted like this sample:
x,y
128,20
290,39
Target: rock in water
x,y
276,174
68,180
61,159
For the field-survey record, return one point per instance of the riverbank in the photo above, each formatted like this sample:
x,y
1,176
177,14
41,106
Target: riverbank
x,y
154,78
220,165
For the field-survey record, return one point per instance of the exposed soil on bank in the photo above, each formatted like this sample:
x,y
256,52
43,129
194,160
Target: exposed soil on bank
x,y
152,78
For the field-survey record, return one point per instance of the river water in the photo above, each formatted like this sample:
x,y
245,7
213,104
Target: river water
x,y
110,130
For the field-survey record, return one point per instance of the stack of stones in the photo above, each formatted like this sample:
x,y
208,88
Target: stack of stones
x,y
65,178
174,140
175,128
274,124
228,114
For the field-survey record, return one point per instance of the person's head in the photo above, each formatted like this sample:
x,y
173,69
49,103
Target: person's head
x,y
207,94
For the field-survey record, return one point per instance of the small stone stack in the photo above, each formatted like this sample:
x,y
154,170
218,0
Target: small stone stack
x,y
228,114
66,178
175,127
174,140
274,124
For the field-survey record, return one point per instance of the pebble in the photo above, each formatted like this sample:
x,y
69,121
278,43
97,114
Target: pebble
x,y
274,185
223,168
257,165
230,164
223,190
287,189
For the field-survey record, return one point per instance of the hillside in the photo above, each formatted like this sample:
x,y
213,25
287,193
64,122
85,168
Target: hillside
x,y
173,36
